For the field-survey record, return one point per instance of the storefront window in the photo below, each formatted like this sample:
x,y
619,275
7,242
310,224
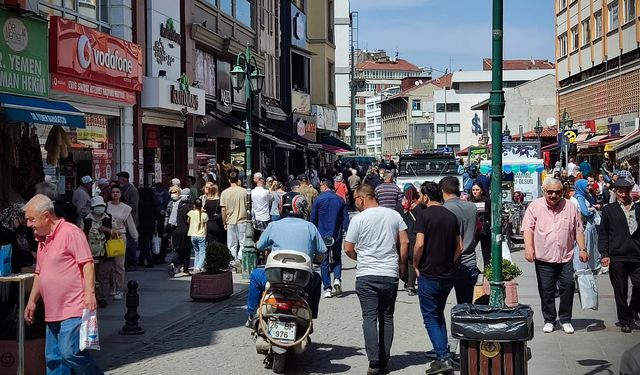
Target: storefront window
x,y
205,71
243,12
91,13
226,6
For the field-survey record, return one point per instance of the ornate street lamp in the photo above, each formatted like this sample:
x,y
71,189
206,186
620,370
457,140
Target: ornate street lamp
x,y
506,132
538,128
246,66
565,122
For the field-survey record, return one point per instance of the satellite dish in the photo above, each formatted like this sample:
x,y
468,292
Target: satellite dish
x,y
551,122
416,83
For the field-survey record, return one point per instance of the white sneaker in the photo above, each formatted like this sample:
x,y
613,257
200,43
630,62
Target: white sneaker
x,y
568,328
337,287
548,327
327,293
117,296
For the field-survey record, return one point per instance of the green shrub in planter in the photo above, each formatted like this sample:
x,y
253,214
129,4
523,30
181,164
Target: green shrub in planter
x,y
509,271
217,258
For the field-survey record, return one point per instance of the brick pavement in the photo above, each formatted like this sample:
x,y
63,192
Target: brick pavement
x,y
215,341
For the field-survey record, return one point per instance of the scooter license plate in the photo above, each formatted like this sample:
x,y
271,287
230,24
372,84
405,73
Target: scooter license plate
x,y
283,331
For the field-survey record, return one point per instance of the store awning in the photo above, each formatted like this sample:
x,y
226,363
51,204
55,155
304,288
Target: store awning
x,y
278,142
628,146
335,142
334,149
550,147
40,111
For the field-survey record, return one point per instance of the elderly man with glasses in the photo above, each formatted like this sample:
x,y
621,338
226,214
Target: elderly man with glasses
x,y
551,226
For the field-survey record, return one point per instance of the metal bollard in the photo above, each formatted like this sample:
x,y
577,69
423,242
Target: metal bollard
x,y
132,317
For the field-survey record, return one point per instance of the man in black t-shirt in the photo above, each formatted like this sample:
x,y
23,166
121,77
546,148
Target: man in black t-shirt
x,y
436,254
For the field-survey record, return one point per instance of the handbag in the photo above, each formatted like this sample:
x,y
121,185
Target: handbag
x,y
155,244
587,289
115,246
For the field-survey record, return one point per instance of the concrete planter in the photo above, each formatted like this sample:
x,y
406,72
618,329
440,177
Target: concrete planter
x,y
34,357
211,287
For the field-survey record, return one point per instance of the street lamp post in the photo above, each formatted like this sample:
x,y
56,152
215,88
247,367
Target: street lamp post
x,y
246,67
538,129
565,122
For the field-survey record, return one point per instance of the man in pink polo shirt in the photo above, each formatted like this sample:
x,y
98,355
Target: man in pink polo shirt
x,y
551,226
65,281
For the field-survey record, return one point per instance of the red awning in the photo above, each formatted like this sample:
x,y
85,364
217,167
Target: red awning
x,y
333,149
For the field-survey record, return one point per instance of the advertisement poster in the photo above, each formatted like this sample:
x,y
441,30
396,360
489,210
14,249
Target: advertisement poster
x,y
102,164
157,170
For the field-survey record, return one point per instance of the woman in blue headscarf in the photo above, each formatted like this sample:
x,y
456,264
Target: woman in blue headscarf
x,y
591,218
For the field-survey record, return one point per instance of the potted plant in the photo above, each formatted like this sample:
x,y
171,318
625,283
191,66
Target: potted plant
x,y
509,273
216,282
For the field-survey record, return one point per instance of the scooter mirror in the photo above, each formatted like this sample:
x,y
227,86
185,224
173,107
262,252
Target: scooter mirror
x,y
328,241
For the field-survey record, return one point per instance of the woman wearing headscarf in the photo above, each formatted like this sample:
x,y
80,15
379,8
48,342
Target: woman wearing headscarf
x,y
585,203
483,233
408,208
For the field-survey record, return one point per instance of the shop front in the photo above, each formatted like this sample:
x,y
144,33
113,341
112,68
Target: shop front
x,y
25,110
100,75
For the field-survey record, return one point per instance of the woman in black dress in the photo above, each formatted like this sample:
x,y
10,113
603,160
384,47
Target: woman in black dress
x,y
483,231
211,204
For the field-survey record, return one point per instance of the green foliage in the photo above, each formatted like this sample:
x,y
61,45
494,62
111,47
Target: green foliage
x,y
509,271
217,258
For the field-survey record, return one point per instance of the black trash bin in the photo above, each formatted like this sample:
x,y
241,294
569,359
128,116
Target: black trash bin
x,y
492,341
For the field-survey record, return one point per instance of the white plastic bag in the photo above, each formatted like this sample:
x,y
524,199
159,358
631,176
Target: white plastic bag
x,y
155,244
89,331
587,289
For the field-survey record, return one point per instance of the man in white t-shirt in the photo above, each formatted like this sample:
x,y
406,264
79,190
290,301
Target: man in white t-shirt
x,y
572,168
371,240
260,206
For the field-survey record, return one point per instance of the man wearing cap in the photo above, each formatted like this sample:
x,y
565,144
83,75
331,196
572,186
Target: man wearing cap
x,y
82,198
105,189
130,197
619,246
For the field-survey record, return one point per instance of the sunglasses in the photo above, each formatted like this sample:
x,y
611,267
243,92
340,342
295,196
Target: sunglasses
x,y
551,192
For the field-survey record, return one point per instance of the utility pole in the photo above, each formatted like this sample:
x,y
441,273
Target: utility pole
x,y
496,113
353,18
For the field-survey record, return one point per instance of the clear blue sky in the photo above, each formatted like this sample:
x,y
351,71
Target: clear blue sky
x,y
428,32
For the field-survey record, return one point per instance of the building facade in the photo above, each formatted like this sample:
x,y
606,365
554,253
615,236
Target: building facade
x,y
342,26
598,65
373,126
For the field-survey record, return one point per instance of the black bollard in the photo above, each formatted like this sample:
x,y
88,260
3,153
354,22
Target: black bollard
x,y
131,318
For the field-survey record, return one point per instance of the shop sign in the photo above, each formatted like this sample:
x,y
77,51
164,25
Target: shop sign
x,y
200,140
223,77
72,85
627,127
24,64
571,135
151,136
326,118
298,27
305,126
92,56
629,151
614,130
163,32
478,153
521,150
166,95
94,134
602,126
300,102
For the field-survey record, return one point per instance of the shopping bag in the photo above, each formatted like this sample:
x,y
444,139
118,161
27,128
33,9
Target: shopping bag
x,y
155,244
115,247
587,289
5,260
89,331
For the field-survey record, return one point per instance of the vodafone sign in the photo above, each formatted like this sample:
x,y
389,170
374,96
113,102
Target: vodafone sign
x,y
85,54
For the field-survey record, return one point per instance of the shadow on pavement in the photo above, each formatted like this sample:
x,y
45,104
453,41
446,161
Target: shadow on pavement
x,y
408,359
590,325
323,355
600,366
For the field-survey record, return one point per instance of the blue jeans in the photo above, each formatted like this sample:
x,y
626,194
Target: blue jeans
x,y
377,295
258,283
432,294
199,248
62,350
326,268
464,280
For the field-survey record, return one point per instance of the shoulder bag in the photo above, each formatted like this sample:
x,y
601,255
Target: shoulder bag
x,y
115,246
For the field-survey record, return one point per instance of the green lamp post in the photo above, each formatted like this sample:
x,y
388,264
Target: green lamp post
x,y
246,66
496,113
565,123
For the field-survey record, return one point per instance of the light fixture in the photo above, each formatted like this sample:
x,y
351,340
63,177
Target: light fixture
x,y
162,73
257,81
538,128
506,132
238,76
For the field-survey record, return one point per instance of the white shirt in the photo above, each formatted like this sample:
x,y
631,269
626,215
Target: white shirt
x,y
261,204
571,169
374,232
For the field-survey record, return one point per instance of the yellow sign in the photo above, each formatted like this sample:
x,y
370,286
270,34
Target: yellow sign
x,y
571,135
489,349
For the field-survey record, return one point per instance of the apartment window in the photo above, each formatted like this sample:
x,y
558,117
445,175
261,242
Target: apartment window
x,y
586,31
562,45
241,10
415,105
330,21
575,38
614,19
451,128
370,107
300,4
360,139
226,6
378,133
90,13
371,135
451,107
629,10
597,24
562,4
370,121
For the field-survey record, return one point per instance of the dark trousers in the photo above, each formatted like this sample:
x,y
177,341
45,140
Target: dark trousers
x,y
620,273
549,276
377,295
181,258
165,235
144,244
411,275
485,245
352,202
131,253
464,280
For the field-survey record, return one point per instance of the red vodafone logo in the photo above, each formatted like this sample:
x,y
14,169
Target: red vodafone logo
x,y
84,51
